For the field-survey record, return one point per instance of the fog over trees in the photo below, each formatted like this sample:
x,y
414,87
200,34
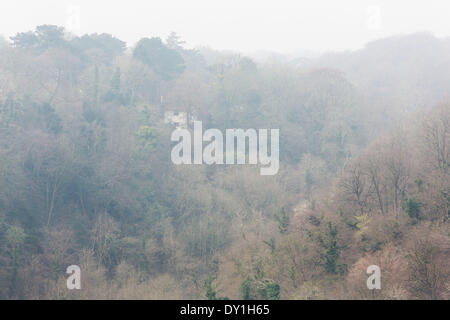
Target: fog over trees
x,y
86,176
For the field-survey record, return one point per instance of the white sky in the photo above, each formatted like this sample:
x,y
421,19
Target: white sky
x,y
239,25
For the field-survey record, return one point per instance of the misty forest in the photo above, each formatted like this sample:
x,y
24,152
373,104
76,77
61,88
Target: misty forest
x,y
86,176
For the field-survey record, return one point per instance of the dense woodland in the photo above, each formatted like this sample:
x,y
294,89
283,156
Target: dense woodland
x,y
86,176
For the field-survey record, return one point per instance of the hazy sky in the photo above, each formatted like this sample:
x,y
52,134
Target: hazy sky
x,y
241,25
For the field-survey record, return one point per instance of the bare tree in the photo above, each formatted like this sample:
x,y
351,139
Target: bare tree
x,y
355,186
437,137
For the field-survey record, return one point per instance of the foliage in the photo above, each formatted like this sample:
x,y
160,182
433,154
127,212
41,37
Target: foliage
x,y
166,62
211,293
86,176
252,289
412,208
283,221
332,249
